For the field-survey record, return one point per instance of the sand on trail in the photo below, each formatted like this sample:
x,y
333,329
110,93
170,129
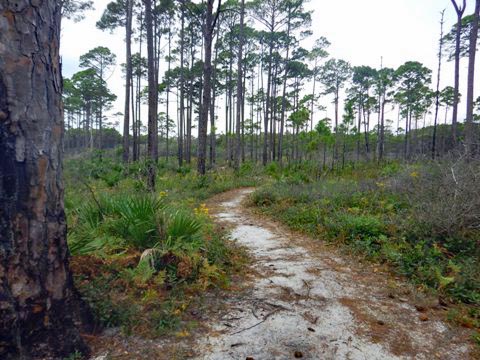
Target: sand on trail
x,y
307,300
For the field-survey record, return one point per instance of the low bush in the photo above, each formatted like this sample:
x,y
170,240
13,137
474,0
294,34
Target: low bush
x,y
264,197
420,218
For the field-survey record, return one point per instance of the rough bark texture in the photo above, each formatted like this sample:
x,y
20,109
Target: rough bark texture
x,y
37,297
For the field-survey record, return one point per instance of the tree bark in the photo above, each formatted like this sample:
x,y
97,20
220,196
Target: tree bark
x,y
182,88
312,102
208,28
128,80
267,104
284,96
37,296
381,146
152,98
213,136
168,88
459,11
470,135
239,87
437,94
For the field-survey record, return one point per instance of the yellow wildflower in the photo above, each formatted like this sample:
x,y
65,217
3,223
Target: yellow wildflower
x,y
201,210
182,334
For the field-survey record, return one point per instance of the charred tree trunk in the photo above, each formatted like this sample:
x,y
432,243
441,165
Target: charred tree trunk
x,y
37,297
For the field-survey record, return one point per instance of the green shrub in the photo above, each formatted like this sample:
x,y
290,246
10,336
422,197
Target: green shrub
x,y
302,218
184,170
139,222
183,228
263,197
390,169
272,169
246,168
356,226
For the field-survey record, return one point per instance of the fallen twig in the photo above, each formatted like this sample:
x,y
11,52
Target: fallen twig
x,y
260,322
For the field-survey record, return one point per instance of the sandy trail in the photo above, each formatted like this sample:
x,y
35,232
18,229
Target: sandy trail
x,y
308,301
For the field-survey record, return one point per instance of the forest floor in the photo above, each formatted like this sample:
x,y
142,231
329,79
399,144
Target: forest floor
x,y
300,298
305,299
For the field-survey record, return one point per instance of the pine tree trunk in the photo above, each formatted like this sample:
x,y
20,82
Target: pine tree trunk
x,y
437,94
267,106
38,302
244,94
336,102
312,102
229,108
167,155
459,11
152,145
128,80
213,137
239,88
182,89
207,88
381,142
359,129
470,133
284,96
188,130
135,120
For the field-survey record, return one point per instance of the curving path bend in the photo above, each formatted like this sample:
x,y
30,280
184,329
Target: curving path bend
x,y
305,300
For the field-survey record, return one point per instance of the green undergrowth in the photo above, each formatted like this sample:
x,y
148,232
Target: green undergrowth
x,y
141,260
422,219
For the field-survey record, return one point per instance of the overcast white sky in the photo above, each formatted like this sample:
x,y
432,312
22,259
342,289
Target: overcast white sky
x,y
361,32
